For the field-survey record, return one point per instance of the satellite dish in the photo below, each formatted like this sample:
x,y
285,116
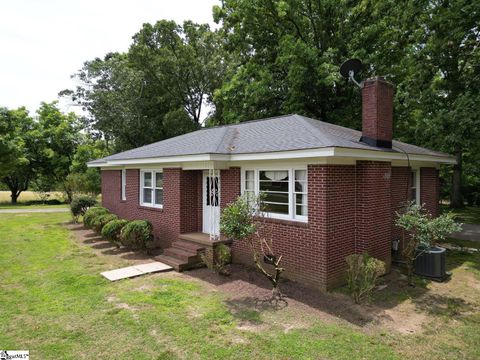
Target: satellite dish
x,y
350,68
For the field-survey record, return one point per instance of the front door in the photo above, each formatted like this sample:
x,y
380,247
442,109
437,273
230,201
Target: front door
x,y
211,202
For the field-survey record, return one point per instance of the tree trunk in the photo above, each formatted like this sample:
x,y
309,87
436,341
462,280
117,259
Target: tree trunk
x,y
456,200
14,195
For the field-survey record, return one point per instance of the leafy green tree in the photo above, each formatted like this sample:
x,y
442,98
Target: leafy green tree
x,y
60,135
82,178
444,86
156,90
19,150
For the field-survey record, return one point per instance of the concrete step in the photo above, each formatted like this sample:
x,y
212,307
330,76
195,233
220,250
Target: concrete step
x,y
187,246
181,254
177,264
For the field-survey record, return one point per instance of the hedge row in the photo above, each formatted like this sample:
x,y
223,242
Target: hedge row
x,y
135,234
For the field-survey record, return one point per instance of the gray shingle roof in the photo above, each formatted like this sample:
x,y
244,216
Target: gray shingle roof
x,y
283,133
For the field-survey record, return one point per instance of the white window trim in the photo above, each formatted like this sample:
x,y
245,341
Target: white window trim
x,y
417,185
142,175
124,184
291,189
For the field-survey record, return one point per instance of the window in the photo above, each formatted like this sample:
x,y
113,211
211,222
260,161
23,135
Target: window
x,y
151,188
285,191
300,193
415,187
124,182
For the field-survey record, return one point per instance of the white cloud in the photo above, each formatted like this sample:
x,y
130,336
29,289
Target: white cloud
x,y
43,42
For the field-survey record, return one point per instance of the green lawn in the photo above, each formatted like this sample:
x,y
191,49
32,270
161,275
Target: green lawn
x,y
54,303
27,206
468,215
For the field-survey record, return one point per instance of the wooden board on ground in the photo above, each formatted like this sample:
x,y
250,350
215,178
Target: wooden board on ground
x,y
136,270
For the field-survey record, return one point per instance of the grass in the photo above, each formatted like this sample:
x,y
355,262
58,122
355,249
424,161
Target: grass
x,y
468,215
55,304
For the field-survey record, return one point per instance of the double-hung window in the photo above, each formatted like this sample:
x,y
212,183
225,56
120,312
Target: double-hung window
x,y
124,184
284,191
151,188
415,187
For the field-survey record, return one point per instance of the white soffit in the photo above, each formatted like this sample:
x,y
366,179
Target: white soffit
x,y
344,153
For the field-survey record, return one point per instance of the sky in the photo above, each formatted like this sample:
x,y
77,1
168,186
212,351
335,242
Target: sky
x,y
44,42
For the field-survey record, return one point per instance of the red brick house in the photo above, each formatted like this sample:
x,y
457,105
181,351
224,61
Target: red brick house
x,y
331,191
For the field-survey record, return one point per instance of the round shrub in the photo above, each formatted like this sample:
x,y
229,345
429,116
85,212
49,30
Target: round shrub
x,y
101,220
92,213
137,235
81,204
111,230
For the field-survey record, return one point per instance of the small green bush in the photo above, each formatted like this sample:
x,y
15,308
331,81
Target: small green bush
x,y
363,272
219,260
111,230
92,213
137,235
101,220
80,205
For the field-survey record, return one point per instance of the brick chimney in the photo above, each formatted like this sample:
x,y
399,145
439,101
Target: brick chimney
x,y
377,112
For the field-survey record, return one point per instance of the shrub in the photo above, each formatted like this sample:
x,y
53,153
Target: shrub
x,y
101,220
423,232
92,213
222,257
137,235
111,230
363,272
80,205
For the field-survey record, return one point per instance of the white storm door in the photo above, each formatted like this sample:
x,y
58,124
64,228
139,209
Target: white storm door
x,y
211,202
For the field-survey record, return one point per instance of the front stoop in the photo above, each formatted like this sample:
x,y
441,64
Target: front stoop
x,y
182,255
185,252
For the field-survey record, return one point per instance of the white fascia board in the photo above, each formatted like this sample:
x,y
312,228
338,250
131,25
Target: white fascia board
x,y
161,160
292,154
281,155
388,156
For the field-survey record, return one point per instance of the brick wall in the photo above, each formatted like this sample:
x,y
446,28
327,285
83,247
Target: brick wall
x,y
377,110
400,195
350,209
374,210
314,253
430,190
181,204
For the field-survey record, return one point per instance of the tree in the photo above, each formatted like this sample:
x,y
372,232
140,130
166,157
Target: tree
x,y
82,178
245,220
60,135
154,91
19,150
444,85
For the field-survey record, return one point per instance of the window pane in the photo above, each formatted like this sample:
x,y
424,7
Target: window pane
x,y
412,179
147,179
274,175
249,175
276,197
208,190
158,196
413,195
300,175
159,180
301,199
301,210
273,186
147,196
249,185
277,208
300,186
